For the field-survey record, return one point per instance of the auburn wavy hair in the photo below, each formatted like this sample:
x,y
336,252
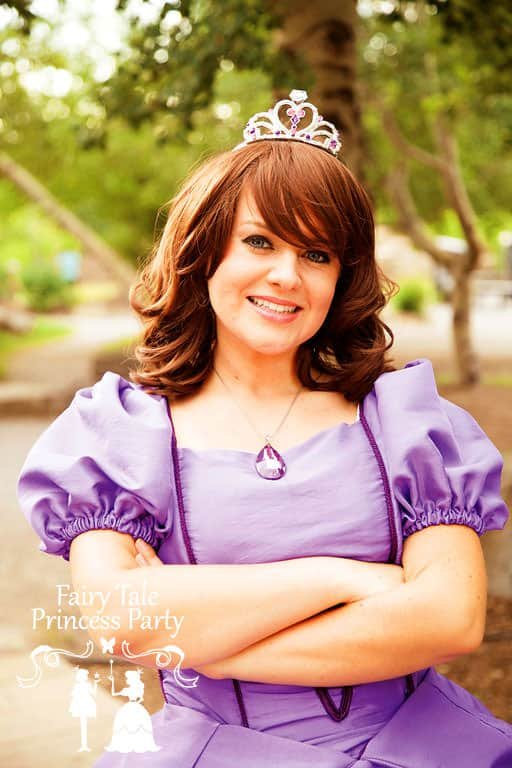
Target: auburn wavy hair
x,y
293,184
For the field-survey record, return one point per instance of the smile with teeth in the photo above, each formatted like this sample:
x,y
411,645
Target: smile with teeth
x,y
274,307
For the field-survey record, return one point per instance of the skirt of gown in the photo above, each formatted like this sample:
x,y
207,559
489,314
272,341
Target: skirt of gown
x,y
132,731
440,725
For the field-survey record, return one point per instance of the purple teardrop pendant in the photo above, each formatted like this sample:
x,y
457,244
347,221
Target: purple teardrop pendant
x,y
270,464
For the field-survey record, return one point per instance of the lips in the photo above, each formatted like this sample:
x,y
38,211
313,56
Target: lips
x,y
272,300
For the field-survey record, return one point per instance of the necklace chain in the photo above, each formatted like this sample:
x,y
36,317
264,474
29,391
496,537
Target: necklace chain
x,y
267,437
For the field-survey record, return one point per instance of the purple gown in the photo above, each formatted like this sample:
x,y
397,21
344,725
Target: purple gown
x,y
411,460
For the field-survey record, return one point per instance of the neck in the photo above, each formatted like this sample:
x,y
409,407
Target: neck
x,y
258,375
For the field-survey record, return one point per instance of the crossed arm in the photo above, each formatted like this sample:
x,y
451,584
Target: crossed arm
x,y
438,612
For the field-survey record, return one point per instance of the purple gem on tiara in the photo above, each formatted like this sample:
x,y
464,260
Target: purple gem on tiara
x,y
295,113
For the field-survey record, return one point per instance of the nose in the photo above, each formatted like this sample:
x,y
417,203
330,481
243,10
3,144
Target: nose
x,y
285,269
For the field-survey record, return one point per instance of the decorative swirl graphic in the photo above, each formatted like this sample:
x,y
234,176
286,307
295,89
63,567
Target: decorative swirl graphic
x,y
51,659
163,659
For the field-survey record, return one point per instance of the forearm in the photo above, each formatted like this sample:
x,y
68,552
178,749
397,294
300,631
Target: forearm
x,y
224,618
225,608
380,637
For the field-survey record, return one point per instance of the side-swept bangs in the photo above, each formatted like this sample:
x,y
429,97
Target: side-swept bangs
x,y
301,193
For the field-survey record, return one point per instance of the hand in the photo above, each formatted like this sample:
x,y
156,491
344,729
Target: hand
x,y
146,555
212,669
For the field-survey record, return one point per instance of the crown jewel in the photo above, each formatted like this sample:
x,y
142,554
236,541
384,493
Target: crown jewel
x,y
303,124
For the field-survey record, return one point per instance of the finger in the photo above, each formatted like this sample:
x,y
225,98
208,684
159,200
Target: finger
x,y
147,552
141,561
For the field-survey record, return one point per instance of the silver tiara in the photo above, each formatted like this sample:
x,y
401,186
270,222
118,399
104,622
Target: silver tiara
x,y
313,128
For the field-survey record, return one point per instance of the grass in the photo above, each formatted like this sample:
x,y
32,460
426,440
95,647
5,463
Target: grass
x,y
503,380
43,331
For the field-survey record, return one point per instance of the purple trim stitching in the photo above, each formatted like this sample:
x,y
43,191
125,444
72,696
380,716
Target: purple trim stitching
x,y
188,544
161,681
179,489
330,707
347,691
385,483
409,679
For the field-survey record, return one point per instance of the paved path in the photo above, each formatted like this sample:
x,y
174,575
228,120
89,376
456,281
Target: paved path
x,y
432,336
42,379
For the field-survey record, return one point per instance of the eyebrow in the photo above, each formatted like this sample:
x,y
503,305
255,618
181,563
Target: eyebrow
x,y
256,223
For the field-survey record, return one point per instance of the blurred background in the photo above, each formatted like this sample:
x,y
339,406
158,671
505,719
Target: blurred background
x,y
105,106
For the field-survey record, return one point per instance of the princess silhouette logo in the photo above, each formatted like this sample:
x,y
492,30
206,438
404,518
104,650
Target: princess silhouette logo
x,y
132,730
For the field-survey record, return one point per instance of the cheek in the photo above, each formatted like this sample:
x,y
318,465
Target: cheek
x,y
232,271
324,294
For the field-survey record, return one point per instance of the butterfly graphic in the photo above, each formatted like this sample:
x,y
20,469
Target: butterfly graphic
x,y
107,646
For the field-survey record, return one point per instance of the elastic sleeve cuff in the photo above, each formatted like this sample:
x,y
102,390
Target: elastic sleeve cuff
x,y
142,527
433,516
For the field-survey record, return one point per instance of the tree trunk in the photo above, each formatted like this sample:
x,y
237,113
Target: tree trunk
x,y
460,267
94,246
325,35
468,371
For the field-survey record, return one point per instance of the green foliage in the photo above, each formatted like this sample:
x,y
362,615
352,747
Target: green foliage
x,y
169,71
415,294
421,71
5,279
491,46
44,288
27,234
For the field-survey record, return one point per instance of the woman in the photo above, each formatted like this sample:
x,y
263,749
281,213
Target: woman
x,y
330,505
132,730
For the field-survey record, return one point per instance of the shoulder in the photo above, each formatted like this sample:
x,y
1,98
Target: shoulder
x,y
398,396
113,391
407,409
443,467
406,404
112,407
104,462
414,380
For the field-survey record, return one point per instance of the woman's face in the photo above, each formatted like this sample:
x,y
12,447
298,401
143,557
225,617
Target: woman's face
x,y
257,265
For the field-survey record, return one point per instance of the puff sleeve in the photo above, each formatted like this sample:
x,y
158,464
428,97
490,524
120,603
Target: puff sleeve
x,y
104,463
443,468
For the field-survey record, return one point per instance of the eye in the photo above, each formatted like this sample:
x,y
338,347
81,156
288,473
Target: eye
x,y
325,257
255,237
